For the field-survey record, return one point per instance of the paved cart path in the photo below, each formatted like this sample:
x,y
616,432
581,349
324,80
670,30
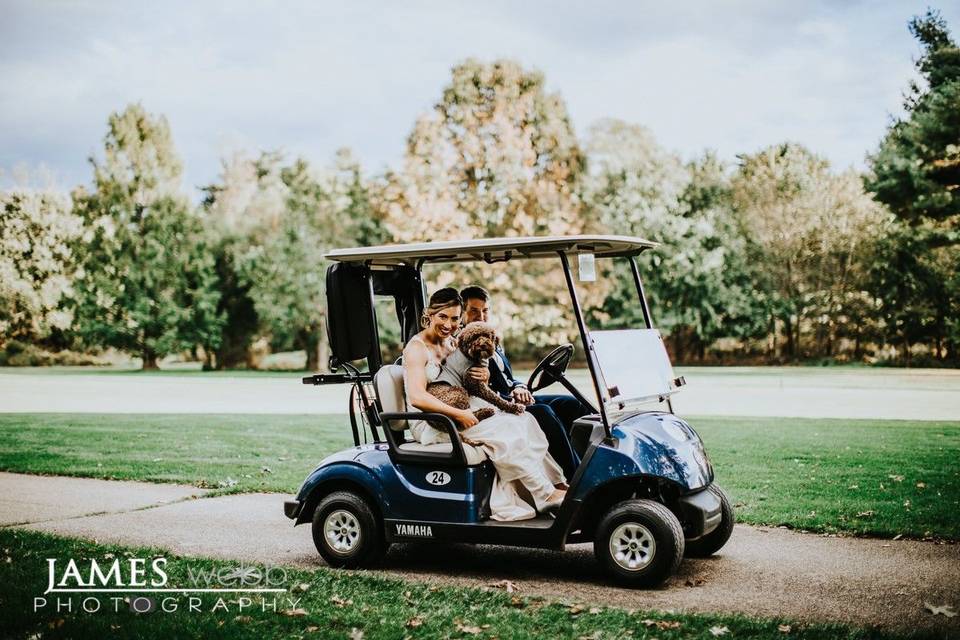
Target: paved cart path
x,y
762,571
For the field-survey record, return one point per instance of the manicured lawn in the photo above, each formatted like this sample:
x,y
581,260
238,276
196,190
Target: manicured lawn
x,y
871,477
233,452
860,476
330,604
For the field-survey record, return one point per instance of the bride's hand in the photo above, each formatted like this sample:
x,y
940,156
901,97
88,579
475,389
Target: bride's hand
x,y
466,418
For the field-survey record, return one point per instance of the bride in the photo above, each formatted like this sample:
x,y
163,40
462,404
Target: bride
x,y
514,443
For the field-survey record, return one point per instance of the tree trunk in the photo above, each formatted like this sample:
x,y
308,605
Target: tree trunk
x,y
309,341
775,346
323,348
149,357
677,335
790,346
209,360
857,353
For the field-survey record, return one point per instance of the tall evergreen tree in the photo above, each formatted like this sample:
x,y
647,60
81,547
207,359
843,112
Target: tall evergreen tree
x,y
916,172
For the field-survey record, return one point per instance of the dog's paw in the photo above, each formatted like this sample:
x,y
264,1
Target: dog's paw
x,y
484,413
517,408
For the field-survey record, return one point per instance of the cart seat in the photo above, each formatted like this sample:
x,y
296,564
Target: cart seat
x,y
388,382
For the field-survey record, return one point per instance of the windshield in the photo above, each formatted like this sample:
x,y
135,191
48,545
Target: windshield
x,y
634,366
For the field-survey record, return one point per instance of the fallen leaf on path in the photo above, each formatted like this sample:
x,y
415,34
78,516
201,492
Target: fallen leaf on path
x,y
595,610
576,609
694,583
784,628
517,602
507,585
303,586
897,537
719,631
295,613
921,485
312,628
866,514
243,619
942,610
266,470
356,634
896,478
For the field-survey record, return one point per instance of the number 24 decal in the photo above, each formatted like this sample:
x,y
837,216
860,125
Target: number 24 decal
x,y
438,478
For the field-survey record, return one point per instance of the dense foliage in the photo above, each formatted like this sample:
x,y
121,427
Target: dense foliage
x,y
916,173
776,257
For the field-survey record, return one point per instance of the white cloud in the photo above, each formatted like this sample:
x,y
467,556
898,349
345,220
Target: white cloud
x,y
310,77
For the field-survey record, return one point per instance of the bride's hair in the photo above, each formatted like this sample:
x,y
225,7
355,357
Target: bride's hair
x,y
440,300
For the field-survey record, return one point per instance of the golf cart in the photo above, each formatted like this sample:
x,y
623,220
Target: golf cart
x,y
643,491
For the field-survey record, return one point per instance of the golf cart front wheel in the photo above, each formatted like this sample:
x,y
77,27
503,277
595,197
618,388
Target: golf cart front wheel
x,y
713,541
346,531
639,543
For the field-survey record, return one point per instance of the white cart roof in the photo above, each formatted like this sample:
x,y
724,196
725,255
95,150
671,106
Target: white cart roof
x,y
492,249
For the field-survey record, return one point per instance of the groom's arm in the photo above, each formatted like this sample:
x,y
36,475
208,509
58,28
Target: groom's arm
x,y
518,390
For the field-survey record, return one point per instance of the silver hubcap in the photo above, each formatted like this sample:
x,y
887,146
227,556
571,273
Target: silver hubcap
x,y
632,546
342,531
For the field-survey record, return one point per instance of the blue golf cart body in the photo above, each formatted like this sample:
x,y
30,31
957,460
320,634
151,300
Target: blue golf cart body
x,y
642,492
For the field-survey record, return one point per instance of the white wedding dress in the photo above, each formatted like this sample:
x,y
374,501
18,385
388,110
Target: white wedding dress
x,y
514,443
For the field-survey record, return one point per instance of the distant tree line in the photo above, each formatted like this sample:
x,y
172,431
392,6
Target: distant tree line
x,y
775,258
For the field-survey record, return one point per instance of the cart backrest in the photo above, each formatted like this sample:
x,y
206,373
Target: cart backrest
x,y
350,318
388,382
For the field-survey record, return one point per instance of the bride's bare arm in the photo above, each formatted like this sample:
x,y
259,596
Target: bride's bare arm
x,y
415,364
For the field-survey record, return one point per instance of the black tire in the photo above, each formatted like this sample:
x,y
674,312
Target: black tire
x,y
358,537
656,531
712,542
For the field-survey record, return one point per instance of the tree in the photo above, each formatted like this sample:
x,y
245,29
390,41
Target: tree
x,y
695,282
37,262
809,228
147,282
916,172
276,222
496,156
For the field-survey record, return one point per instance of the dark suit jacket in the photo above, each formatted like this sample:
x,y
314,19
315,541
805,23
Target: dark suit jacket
x,y
502,381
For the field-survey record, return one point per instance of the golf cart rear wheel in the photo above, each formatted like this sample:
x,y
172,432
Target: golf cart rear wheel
x,y
712,542
347,532
639,543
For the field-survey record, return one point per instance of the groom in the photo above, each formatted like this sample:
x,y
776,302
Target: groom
x,y
554,413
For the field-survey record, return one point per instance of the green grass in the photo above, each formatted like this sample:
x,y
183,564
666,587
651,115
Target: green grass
x,y
871,477
230,452
334,604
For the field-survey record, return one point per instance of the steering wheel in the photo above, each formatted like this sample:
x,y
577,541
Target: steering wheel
x,y
551,368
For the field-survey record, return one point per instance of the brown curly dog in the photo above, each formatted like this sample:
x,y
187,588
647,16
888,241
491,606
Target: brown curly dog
x,y
478,342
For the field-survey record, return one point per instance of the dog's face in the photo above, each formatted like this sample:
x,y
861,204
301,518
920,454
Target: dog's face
x,y
478,340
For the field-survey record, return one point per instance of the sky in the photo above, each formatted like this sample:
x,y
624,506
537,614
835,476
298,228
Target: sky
x,y
309,77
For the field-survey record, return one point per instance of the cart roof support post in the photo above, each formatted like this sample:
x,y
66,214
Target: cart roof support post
x,y
640,292
587,343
